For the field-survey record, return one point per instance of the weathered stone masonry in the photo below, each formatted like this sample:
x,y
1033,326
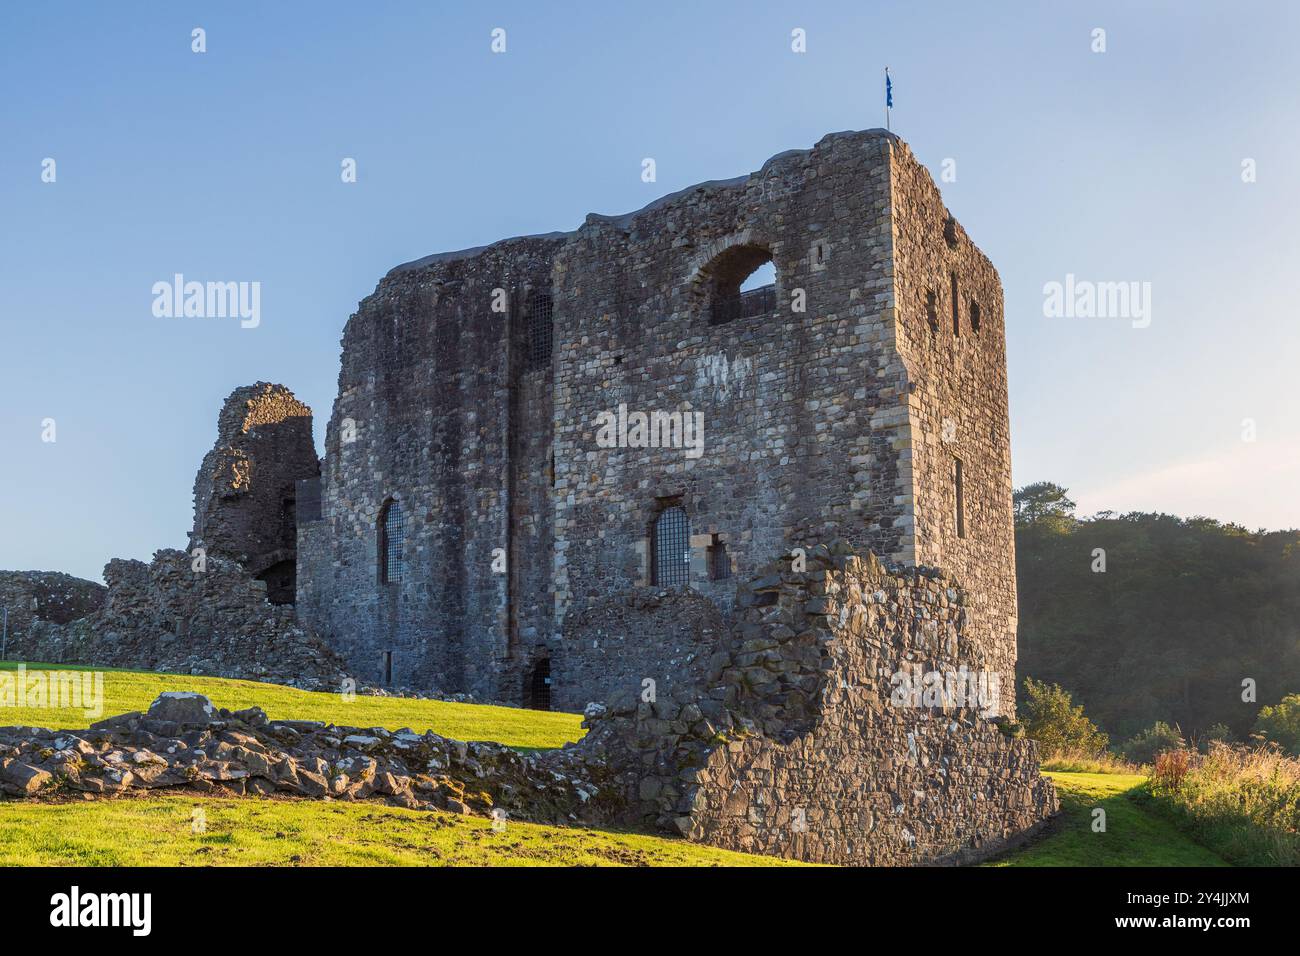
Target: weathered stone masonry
x,y
838,412
245,500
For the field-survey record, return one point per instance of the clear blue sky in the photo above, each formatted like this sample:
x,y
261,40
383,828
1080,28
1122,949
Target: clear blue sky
x,y
1123,165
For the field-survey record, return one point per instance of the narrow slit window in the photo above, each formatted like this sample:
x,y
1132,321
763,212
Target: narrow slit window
x,y
974,316
388,668
959,488
956,308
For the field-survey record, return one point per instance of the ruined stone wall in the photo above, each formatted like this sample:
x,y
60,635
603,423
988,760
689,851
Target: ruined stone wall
x,y
796,445
803,742
623,641
837,412
438,410
32,596
957,408
244,493
166,616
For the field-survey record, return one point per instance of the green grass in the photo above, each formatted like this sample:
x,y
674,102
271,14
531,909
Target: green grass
x,y
135,690
1134,836
1243,802
248,831
258,831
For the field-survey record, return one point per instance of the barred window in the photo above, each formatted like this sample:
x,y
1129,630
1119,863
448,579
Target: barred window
x,y
719,560
671,548
541,334
538,691
392,534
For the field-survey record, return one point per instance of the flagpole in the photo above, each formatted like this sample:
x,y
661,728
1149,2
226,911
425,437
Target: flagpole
x,y
887,129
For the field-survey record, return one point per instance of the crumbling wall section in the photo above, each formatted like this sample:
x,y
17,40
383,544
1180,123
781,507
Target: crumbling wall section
x,y
646,640
172,615
32,596
245,490
853,721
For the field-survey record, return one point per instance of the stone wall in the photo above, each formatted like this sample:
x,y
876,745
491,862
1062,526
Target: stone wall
x,y
838,411
440,409
665,637
804,742
245,490
793,447
166,616
955,399
31,596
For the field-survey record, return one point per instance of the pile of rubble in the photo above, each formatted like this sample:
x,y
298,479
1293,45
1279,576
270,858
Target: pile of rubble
x,y
184,742
169,616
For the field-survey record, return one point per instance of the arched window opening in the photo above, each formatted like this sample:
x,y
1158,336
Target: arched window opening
x,y
671,549
740,284
392,535
541,330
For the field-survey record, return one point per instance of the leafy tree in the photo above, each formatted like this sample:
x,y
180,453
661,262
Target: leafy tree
x,y
1281,724
1059,726
1043,503
1150,743
1184,609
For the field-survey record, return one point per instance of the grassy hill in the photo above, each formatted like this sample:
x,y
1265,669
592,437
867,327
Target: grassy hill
x,y
157,829
134,690
244,831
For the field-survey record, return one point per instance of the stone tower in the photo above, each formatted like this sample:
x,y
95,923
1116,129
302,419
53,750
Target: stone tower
x,y
479,533
244,494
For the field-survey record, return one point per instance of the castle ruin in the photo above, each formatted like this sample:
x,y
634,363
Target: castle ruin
x,y
761,535
475,533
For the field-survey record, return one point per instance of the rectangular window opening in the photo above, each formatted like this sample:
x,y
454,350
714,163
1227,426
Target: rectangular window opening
x,y
719,560
961,502
956,308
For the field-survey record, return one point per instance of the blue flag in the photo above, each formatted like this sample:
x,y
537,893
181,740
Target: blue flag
x,y
889,90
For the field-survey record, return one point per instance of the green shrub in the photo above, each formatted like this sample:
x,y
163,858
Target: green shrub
x,y
1281,724
1143,748
1214,734
1060,727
